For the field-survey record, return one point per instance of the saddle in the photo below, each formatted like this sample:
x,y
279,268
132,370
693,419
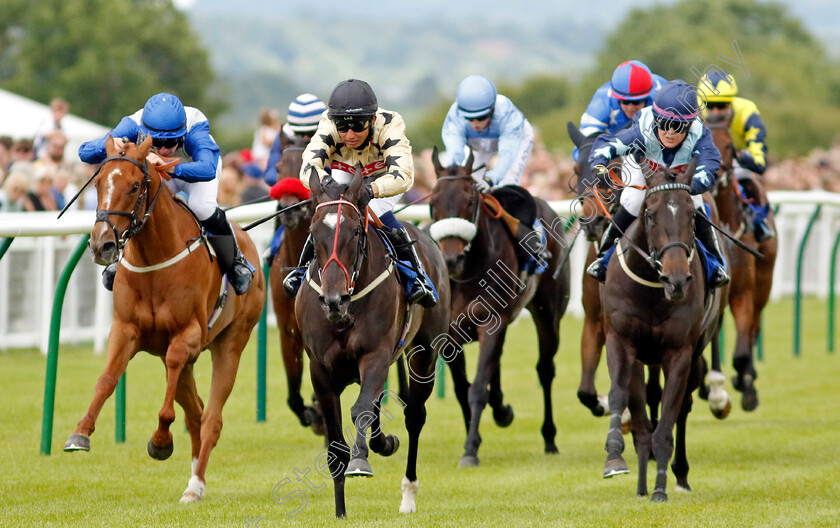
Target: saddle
x,y
518,211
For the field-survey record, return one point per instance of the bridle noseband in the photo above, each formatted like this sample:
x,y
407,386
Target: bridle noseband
x,y
349,277
655,256
475,215
137,218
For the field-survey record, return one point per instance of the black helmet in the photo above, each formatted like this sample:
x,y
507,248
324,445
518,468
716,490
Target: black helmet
x,y
352,98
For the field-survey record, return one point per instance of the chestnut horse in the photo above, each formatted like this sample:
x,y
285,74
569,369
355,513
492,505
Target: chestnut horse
x,y
655,314
296,224
355,323
752,278
488,292
167,302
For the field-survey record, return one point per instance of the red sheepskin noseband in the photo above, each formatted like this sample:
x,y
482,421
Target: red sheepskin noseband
x,y
289,186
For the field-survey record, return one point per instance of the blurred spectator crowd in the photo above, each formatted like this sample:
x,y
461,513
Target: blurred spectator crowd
x,y
36,174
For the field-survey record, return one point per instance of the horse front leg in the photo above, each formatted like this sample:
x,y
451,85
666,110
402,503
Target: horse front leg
x,y
185,345
329,396
677,367
460,383
548,334
187,397
640,424
122,345
742,360
373,371
591,345
490,352
620,359
421,361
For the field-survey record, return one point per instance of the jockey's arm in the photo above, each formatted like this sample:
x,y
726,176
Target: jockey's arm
x,y
454,136
708,162
607,147
510,137
270,174
320,151
754,157
596,118
94,151
398,158
205,154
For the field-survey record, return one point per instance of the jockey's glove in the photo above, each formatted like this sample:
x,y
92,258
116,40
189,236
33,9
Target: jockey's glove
x,y
600,170
482,185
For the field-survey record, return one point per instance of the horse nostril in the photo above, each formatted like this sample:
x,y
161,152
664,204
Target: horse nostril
x,y
108,247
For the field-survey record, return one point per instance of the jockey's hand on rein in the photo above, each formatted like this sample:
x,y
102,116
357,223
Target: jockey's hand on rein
x,y
154,159
601,171
482,186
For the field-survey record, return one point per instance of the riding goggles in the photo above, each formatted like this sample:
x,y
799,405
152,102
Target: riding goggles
x,y
356,124
677,127
482,117
167,143
632,102
717,106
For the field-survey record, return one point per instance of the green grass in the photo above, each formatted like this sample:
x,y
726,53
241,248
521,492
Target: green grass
x,y
777,466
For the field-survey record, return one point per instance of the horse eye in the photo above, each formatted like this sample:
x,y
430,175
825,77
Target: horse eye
x,y
135,187
357,232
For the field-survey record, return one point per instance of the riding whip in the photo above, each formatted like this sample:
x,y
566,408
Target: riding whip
x,y
272,215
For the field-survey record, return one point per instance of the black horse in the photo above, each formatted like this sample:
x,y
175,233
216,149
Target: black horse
x,y
489,290
355,323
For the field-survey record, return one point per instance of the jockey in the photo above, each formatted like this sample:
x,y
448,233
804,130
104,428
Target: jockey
x,y
488,123
356,131
179,132
301,123
717,93
666,134
631,88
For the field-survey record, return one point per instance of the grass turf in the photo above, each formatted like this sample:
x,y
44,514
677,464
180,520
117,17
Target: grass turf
x,y
773,467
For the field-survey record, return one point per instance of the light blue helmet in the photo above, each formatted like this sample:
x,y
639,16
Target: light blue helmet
x,y
476,96
164,117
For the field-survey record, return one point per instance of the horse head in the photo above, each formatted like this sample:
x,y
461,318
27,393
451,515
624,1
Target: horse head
x,y
668,216
589,187
123,187
338,232
289,167
454,206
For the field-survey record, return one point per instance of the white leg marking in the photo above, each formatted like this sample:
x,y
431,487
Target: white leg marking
x,y
195,490
409,493
718,398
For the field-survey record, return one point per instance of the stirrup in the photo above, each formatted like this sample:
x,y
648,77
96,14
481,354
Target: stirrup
x,y
719,278
420,293
762,231
293,281
240,275
108,275
597,270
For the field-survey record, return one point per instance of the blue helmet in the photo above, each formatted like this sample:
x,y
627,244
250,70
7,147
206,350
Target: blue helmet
x,y
676,101
476,96
631,80
164,117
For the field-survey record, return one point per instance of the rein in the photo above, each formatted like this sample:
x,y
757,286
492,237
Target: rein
x,y
137,219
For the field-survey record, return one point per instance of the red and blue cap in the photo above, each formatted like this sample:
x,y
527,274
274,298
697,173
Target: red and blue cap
x,y
631,80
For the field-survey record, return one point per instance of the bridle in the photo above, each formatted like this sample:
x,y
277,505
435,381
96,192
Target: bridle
x,y
472,225
655,255
137,219
349,276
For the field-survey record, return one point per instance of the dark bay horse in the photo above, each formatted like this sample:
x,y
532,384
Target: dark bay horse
x,y
752,278
355,323
656,312
488,292
167,301
296,224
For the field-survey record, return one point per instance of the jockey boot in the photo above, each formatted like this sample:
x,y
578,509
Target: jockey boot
x,y
621,220
421,289
242,272
757,211
292,282
108,275
705,234
530,245
762,230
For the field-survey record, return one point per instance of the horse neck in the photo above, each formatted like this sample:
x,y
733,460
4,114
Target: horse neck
x,y
727,202
637,234
165,232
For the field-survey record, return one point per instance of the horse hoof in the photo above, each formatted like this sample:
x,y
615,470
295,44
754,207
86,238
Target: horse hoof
x,y
358,467
394,443
659,496
77,442
468,461
160,452
749,400
314,420
503,416
720,414
551,449
737,384
683,488
616,466
189,497
602,407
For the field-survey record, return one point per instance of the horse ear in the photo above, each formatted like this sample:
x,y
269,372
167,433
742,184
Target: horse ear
x,y
692,167
468,165
575,134
355,184
110,149
144,147
436,161
315,185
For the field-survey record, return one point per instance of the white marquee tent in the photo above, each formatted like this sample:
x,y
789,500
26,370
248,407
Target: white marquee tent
x,y
21,117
